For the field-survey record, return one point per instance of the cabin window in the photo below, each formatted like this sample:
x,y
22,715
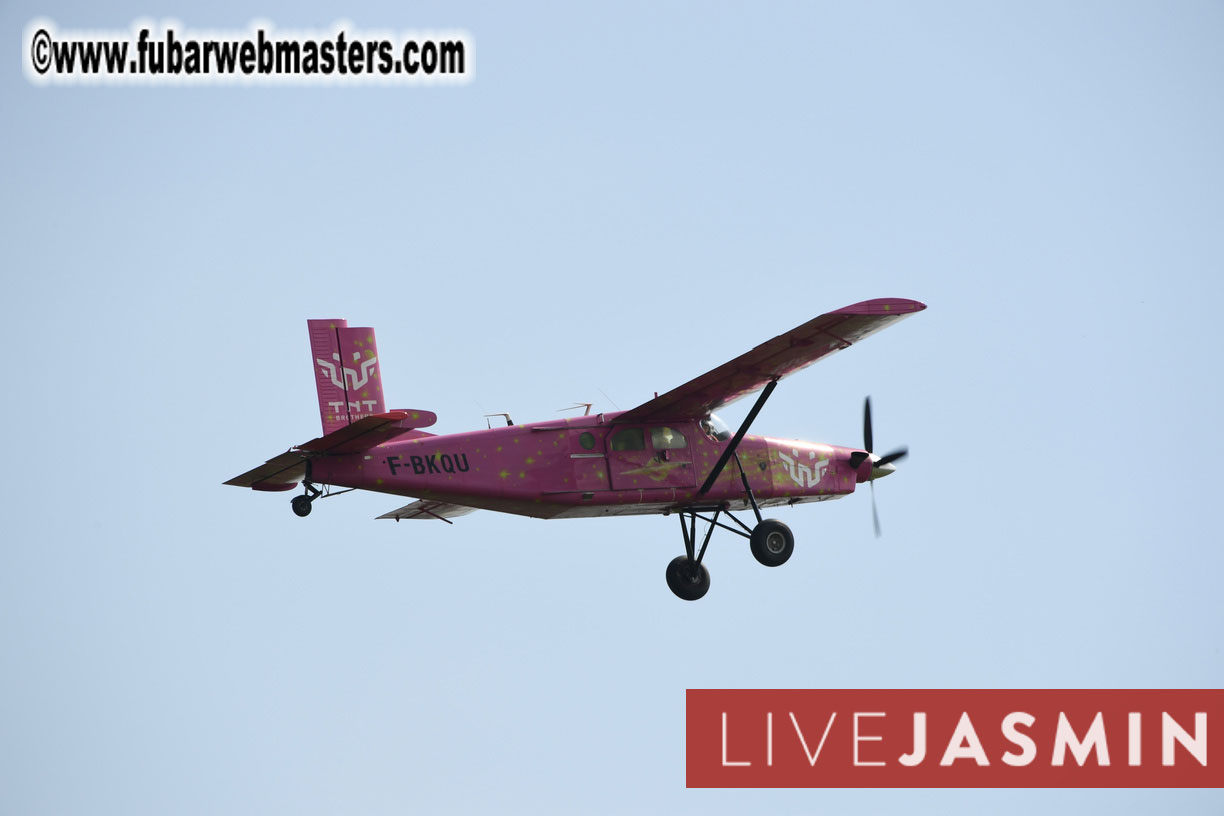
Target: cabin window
x,y
587,440
628,439
715,428
667,439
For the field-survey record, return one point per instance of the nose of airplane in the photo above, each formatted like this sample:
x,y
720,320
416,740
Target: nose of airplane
x,y
880,471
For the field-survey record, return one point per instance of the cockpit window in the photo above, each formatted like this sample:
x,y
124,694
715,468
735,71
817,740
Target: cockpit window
x,y
667,439
628,439
715,428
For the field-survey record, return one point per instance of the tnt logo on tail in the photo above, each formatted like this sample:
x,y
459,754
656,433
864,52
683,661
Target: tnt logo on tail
x,y
351,392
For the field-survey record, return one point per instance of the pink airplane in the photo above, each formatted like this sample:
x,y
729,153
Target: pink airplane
x,y
668,455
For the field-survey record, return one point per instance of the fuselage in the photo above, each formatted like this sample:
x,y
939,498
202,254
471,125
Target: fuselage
x,y
595,466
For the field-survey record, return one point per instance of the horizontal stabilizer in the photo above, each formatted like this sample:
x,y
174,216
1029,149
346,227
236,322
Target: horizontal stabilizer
x,y
424,509
287,470
279,473
369,432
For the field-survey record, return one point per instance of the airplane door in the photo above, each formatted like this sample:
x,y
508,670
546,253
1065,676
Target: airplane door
x,y
643,457
590,464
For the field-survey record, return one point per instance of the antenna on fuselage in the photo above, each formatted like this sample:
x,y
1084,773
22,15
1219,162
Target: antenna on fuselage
x,y
609,399
509,421
586,405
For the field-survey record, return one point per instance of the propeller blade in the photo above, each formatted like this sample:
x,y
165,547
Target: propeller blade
x,y
857,457
899,453
867,424
875,516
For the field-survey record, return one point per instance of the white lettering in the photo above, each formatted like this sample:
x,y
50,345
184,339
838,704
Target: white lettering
x,y
1064,737
1170,732
726,762
812,757
1028,748
858,739
964,744
1134,743
919,753
769,739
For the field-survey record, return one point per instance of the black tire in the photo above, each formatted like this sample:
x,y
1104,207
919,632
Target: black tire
x,y
687,579
301,506
772,543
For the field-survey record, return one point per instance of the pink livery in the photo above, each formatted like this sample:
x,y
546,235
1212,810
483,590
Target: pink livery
x,y
670,455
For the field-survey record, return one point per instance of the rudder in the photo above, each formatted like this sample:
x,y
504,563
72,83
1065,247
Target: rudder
x,y
347,376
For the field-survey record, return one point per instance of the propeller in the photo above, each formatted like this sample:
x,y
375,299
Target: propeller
x,y
878,463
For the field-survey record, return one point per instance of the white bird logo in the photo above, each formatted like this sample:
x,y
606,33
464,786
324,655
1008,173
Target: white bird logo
x,y
801,474
356,378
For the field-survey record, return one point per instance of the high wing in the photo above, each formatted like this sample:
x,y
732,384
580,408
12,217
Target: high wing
x,y
777,358
425,509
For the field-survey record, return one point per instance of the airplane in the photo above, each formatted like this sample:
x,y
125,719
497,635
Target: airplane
x,y
671,455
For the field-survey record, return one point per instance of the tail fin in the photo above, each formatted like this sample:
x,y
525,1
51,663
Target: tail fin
x,y
346,373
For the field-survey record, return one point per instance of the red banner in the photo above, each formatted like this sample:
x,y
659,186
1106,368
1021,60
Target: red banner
x,y
952,738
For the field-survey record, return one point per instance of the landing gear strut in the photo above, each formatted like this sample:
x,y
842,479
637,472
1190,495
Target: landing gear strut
x,y
772,541
772,545
687,577
301,504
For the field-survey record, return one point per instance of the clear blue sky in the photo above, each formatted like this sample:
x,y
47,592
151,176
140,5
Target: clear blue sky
x,y
625,197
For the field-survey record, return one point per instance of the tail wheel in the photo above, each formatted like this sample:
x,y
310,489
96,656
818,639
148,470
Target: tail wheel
x,y
687,579
772,543
301,506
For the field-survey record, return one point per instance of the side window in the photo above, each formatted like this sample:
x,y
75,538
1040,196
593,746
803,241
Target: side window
x,y
628,439
715,428
667,439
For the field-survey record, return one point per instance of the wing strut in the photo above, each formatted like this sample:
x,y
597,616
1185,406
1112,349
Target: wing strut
x,y
748,488
739,436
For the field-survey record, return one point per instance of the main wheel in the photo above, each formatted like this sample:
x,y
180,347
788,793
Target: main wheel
x,y
301,505
687,579
772,543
